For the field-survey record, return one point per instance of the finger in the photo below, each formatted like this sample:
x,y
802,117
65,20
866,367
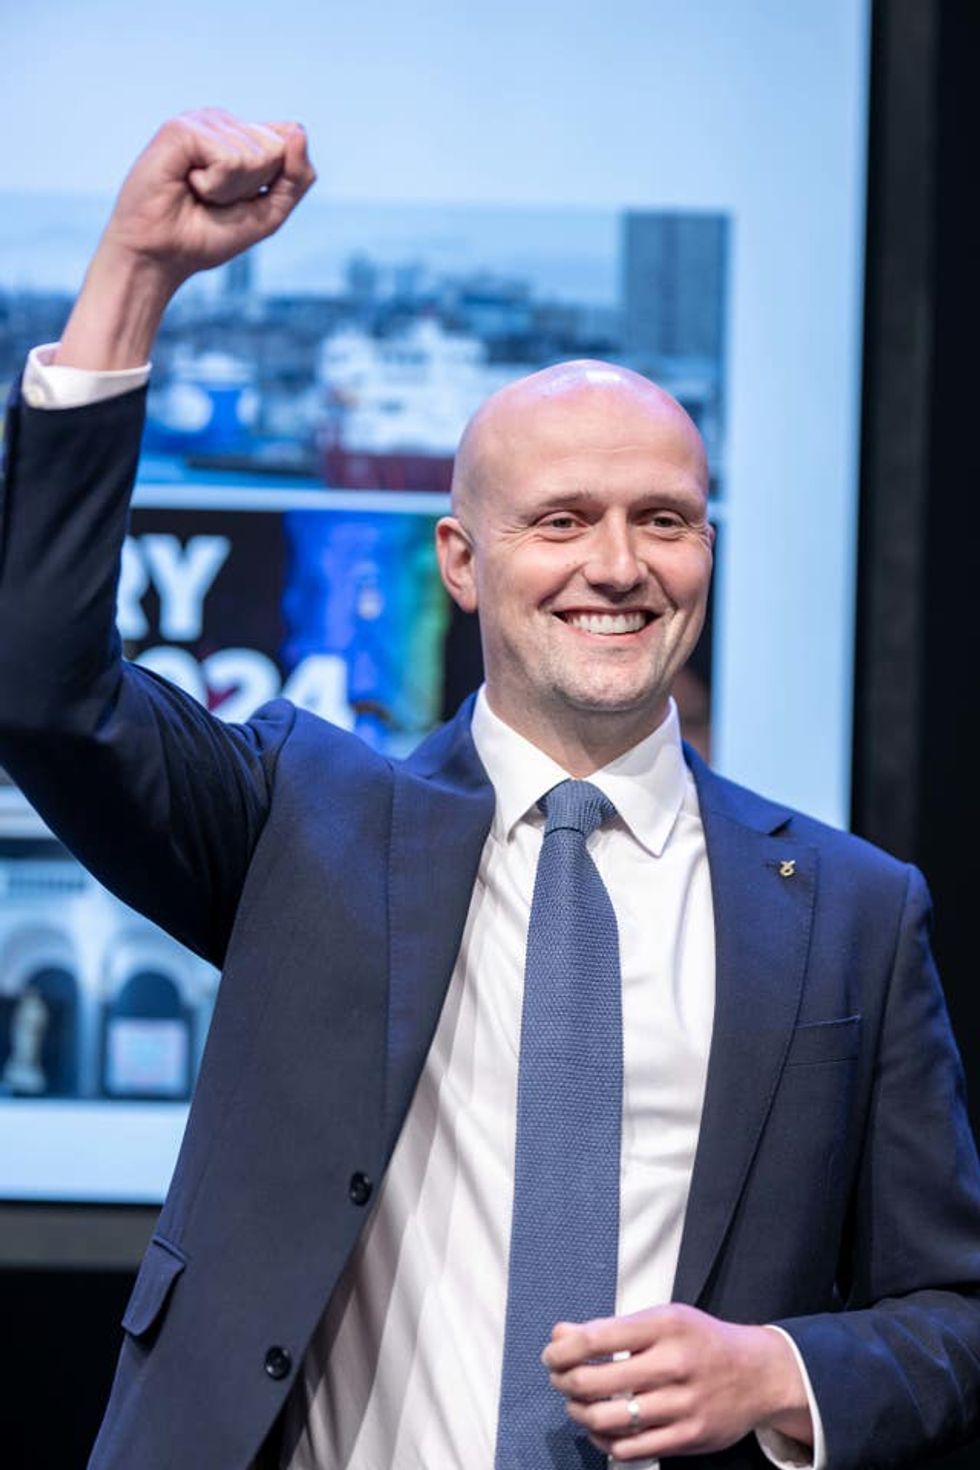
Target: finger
x,y
588,1381
634,1448
604,1336
653,1444
612,1418
227,181
683,1437
235,175
264,214
297,167
218,137
238,160
295,178
287,142
234,135
224,127
283,129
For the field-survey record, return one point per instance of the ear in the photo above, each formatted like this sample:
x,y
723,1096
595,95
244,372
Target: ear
x,y
457,562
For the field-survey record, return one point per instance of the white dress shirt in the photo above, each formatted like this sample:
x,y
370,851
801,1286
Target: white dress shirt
x,y
404,1370
46,384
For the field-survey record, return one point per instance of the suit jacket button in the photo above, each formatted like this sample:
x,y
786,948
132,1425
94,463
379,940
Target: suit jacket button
x,y
360,1188
278,1362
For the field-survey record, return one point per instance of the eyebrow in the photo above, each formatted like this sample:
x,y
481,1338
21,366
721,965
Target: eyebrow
x,y
586,499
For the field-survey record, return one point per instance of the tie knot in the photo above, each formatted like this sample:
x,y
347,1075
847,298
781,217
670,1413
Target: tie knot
x,y
577,805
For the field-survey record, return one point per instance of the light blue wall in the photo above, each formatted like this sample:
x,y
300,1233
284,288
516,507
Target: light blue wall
x,y
752,106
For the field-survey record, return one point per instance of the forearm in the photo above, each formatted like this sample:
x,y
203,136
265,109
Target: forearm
x,y
117,315
65,503
158,798
895,1381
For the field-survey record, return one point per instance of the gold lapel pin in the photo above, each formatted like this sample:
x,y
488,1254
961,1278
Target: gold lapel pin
x,y
787,867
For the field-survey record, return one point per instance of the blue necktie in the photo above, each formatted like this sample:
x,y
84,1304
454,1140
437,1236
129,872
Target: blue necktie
x,y
565,1231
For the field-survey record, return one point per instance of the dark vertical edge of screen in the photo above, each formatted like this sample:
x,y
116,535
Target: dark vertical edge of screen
x,y
898,357
916,775
950,753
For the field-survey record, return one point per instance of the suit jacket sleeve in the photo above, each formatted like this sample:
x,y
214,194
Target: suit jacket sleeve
x,y
163,802
899,1368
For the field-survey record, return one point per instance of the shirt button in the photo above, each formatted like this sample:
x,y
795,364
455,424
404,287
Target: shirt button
x,y
360,1188
278,1362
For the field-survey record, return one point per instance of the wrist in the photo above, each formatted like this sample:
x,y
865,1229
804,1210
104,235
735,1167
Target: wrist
x,y
115,319
781,1397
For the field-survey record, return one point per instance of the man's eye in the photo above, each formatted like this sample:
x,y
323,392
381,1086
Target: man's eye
x,y
560,523
665,520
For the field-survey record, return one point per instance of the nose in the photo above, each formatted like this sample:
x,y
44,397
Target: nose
x,y
613,563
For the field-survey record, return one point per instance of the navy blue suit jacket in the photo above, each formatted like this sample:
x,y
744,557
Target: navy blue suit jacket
x,y
835,1188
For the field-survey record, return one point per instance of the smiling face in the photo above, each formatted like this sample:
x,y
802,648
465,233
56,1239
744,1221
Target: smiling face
x,y
581,536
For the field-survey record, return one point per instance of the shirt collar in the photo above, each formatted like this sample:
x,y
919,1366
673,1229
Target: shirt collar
x,y
647,785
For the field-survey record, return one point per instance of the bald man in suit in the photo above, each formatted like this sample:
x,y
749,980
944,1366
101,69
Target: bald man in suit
x,y
799,1210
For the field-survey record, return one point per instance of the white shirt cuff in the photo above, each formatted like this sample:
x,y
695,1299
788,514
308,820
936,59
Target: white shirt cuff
x,y
50,385
779,1449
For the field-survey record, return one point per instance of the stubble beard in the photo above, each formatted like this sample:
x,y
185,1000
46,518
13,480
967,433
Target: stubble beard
x,y
605,693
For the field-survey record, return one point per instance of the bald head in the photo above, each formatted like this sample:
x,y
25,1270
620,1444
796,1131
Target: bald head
x,y
541,408
581,536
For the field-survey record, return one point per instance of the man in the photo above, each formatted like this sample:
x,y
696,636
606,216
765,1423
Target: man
x,y
757,1194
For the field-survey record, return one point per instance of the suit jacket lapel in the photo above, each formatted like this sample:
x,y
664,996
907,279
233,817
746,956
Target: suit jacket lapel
x,y
443,807
763,890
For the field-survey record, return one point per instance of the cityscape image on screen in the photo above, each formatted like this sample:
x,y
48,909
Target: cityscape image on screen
x,y
297,452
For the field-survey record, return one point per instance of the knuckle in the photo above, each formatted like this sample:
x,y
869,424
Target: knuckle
x,y
609,1419
685,1364
198,121
668,1366
693,1431
687,1403
592,1416
175,129
576,1383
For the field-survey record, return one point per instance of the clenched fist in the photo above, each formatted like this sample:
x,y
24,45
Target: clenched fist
x,y
205,188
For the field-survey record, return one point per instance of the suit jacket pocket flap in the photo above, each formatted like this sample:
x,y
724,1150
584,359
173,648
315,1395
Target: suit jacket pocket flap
x,y
160,1268
825,1041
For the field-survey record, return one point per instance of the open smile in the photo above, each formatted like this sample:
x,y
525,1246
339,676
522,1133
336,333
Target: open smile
x,y
608,624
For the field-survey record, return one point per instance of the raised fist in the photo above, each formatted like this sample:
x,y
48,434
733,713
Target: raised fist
x,y
206,187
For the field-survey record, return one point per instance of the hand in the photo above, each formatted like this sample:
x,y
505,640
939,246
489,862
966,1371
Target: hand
x,y
204,189
700,1384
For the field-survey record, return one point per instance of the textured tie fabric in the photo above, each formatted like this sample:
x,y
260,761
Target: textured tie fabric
x,y
565,1231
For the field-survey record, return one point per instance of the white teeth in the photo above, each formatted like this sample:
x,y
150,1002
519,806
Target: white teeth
x,y
625,622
